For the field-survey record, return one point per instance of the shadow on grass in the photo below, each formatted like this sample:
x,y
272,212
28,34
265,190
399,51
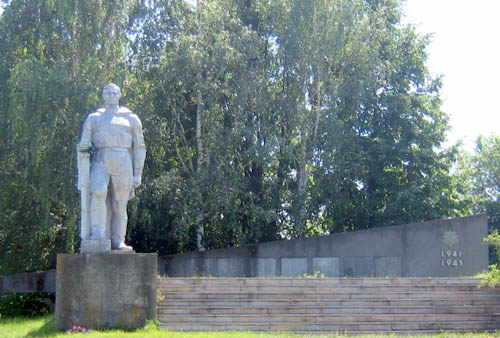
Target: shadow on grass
x,y
49,329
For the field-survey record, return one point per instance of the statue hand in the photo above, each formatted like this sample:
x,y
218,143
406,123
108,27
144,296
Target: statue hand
x,y
137,181
85,148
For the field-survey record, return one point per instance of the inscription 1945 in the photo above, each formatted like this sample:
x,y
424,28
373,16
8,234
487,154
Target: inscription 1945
x,y
451,258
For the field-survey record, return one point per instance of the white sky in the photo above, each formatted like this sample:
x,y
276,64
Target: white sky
x,y
465,49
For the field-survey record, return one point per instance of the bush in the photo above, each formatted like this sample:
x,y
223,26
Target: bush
x,y
492,277
26,304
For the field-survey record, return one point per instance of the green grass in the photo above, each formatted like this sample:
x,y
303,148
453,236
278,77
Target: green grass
x,y
44,327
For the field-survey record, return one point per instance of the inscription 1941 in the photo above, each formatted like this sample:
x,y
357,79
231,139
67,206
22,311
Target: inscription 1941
x,y
451,258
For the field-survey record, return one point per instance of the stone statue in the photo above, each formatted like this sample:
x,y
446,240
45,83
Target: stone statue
x,y
111,156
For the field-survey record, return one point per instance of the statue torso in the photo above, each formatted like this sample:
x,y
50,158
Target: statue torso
x,y
112,130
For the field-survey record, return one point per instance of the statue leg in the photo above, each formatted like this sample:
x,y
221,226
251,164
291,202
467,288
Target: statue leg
x,y
121,186
109,214
99,181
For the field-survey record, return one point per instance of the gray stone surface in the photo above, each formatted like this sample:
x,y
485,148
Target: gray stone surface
x,y
426,243
95,246
327,266
229,267
210,267
441,248
106,291
192,267
29,282
266,267
359,267
293,267
387,266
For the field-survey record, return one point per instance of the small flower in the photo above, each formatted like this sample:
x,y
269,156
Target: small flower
x,y
76,329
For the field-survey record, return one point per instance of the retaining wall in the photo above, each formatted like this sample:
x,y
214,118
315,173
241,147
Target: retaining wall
x,y
439,248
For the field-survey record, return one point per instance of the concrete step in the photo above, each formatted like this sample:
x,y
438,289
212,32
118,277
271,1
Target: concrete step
x,y
327,302
353,327
320,288
326,319
333,295
326,305
281,281
320,310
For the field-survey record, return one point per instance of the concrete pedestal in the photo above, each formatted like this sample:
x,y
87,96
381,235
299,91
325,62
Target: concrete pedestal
x,y
92,246
106,290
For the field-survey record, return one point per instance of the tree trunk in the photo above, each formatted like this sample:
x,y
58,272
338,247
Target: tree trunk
x,y
302,178
200,227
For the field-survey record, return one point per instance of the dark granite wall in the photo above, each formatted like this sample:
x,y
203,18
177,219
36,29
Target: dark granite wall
x,y
440,248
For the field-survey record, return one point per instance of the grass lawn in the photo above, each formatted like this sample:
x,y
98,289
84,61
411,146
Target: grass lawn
x,y
44,327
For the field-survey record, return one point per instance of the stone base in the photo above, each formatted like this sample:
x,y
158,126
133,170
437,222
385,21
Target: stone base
x,y
93,246
105,291
122,252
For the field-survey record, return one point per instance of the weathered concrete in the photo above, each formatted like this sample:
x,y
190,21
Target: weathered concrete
x,y
387,266
327,266
266,267
106,290
359,266
440,248
293,267
320,306
30,282
95,246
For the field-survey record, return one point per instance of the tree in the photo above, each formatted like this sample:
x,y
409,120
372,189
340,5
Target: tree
x,y
482,174
285,119
359,117
203,85
262,119
54,56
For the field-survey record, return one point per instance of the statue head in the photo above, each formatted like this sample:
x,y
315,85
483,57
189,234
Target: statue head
x,y
111,94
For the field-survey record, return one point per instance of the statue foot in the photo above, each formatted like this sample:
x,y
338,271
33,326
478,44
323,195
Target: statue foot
x,y
121,246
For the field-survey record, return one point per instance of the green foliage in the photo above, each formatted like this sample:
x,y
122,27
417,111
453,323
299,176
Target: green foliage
x,y
159,296
26,304
54,56
150,326
212,176
485,179
290,119
262,119
316,274
477,177
492,277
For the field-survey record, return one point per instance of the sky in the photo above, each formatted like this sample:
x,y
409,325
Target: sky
x,y
465,49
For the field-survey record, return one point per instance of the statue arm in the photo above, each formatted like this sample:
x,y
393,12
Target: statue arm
x,y
83,153
86,138
139,148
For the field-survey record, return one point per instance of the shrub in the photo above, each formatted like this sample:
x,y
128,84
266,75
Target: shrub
x,y
492,277
26,304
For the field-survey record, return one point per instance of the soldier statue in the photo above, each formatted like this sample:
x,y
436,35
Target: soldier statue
x,y
111,156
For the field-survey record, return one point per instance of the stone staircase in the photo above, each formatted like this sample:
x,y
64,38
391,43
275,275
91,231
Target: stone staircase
x,y
328,305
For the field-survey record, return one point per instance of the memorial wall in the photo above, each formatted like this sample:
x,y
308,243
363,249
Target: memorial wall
x,y
439,248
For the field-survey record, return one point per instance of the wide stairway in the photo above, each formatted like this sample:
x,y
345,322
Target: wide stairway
x,y
326,305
